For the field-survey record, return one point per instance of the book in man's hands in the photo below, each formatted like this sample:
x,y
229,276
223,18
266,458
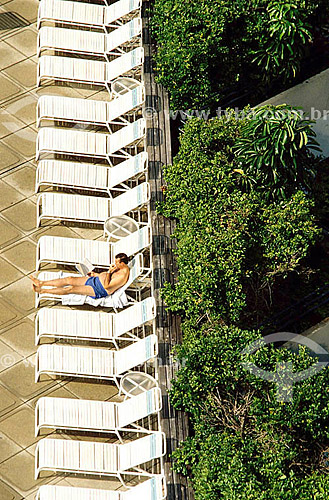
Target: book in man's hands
x,y
85,267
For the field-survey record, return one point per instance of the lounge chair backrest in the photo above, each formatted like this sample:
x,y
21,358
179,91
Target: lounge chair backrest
x,y
124,64
120,9
123,34
141,450
138,407
135,354
134,316
131,199
153,489
128,169
127,135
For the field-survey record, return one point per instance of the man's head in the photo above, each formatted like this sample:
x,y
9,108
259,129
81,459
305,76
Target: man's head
x,y
121,259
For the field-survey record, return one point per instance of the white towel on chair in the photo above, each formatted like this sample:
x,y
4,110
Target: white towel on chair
x,y
117,300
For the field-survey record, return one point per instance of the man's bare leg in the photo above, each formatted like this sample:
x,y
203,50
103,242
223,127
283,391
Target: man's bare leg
x,y
79,290
60,282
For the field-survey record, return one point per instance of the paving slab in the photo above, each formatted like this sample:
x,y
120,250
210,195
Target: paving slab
x,y
23,108
20,295
22,142
22,256
7,88
8,274
7,233
24,73
7,157
19,427
23,180
25,41
9,55
9,124
22,215
9,196
21,338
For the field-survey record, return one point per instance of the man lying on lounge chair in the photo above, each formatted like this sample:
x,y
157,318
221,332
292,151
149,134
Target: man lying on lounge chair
x,y
97,285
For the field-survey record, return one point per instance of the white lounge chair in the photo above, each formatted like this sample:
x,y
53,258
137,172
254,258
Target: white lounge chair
x,y
120,144
90,177
86,14
60,250
96,416
89,72
152,489
73,324
90,112
136,275
90,209
96,458
91,43
91,363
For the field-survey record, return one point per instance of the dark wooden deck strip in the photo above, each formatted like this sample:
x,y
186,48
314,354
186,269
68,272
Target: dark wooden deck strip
x,y
173,423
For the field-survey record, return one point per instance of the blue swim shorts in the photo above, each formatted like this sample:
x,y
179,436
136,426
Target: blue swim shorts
x,y
97,286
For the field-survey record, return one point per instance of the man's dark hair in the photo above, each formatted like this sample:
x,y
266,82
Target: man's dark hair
x,y
123,257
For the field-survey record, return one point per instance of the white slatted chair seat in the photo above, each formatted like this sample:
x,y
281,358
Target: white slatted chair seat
x,y
72,109
90,144
87,175
75,361
72,251
100,253
86,362
72,70
98,416
77,13
74,175
87,71
80,414
68,40
152,489
60,206
73,207
74,142
96,458
88,42
90,325
75,324
84,14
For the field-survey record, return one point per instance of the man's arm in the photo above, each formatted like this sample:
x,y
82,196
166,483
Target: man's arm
x,y
118,280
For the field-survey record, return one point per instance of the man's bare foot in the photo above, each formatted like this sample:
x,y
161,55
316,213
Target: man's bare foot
x,y
36,289
35,280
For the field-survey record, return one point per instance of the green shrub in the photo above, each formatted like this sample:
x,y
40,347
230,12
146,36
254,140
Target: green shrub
x,y
210,48
230,244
